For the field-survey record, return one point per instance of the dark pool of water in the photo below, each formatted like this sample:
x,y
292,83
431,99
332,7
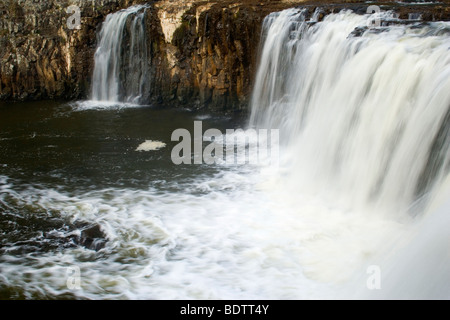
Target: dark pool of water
x,y
52,144
58,146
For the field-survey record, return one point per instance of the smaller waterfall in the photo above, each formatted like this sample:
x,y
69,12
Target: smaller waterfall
x,y
122,66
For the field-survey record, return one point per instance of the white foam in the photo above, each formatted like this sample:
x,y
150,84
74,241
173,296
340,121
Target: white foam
x,y
150,145
238,239
101,105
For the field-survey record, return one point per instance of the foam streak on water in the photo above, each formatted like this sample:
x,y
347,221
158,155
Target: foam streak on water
x,y
225,243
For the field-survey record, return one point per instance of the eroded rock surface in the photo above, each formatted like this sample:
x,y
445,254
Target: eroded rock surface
x,y
203,52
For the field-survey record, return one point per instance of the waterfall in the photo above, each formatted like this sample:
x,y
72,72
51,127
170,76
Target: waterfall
x,y
122,65
363,114
367,113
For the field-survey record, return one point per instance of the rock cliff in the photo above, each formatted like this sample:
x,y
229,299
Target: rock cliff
x,y
203,52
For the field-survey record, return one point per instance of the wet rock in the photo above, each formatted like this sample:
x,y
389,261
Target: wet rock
x,y
91,237
36,235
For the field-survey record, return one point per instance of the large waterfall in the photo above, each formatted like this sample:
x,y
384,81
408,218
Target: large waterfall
x,y
121,72
364,118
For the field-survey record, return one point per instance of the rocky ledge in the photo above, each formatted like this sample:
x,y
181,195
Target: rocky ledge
x,y
203,52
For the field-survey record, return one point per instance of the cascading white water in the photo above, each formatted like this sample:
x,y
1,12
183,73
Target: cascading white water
x,y
121,72
363,115
363,111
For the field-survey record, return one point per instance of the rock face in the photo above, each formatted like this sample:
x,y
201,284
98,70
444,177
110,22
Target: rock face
x,y
41,57
203,52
